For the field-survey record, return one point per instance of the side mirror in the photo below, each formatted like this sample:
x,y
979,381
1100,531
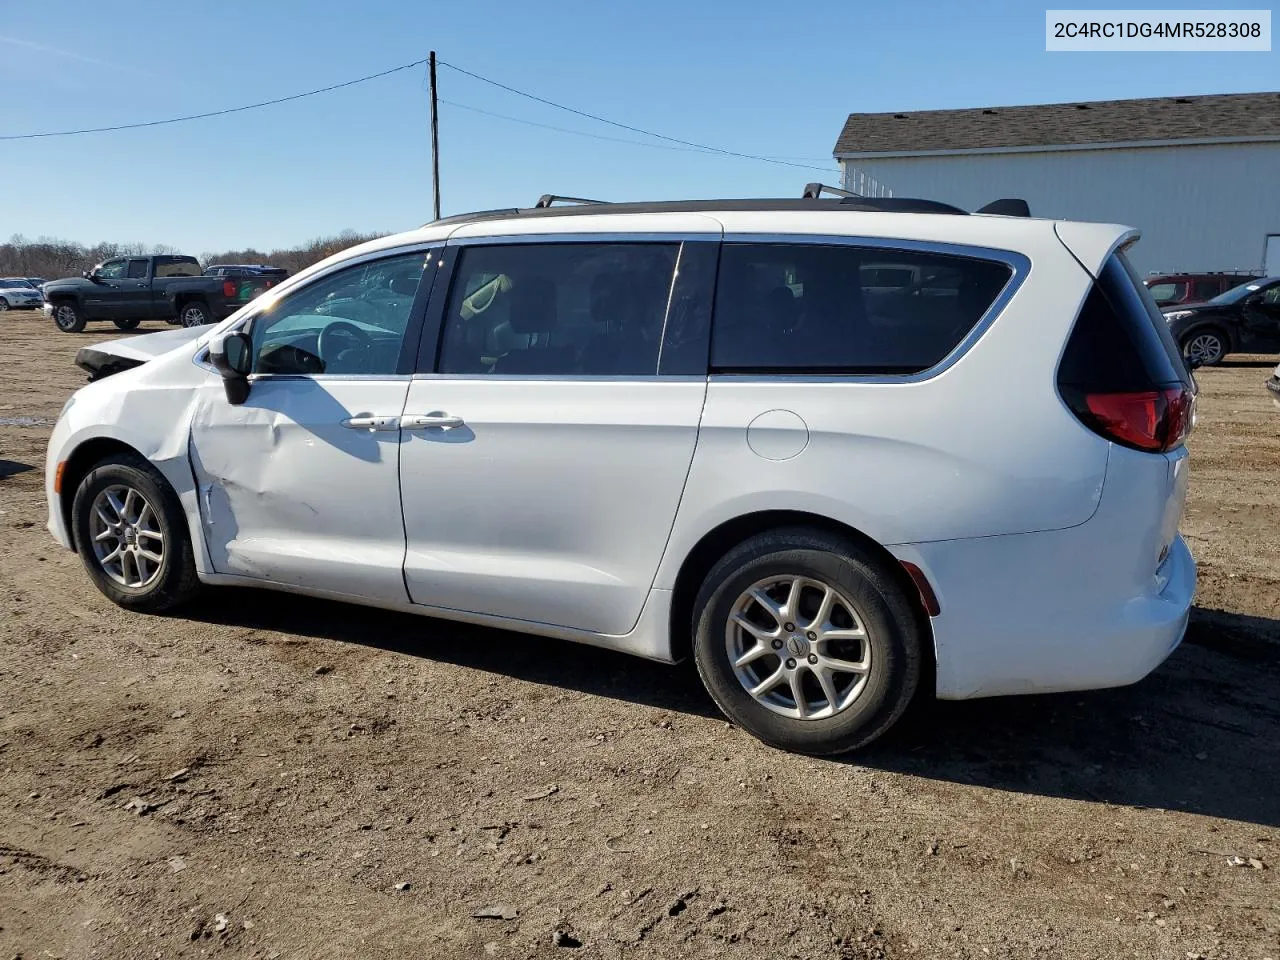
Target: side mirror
x,y
232,356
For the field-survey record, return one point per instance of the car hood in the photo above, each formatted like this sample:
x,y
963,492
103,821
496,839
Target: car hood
x,y
113,356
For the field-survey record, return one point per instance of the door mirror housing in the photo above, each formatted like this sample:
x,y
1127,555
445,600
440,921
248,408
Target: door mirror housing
x,y
91,275
232,356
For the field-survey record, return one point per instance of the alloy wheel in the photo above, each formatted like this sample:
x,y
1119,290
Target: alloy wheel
x,y
124,529
64,316
799,647
192,317
1204,348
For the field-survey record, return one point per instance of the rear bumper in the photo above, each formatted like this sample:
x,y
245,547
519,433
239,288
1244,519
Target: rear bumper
x,y
1013,621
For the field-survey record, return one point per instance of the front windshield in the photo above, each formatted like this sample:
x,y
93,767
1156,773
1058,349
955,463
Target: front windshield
x,y
1236,294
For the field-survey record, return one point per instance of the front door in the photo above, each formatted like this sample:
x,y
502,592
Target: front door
x,y
1261,312
102,297
300,485
545,457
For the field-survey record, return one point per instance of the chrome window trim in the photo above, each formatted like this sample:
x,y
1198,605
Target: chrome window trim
x,y
567,377
611,236
1019,265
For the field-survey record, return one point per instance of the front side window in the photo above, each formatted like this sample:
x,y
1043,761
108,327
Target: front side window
x,y
559,309
1168,292
112,270
137,270
848,309
352,321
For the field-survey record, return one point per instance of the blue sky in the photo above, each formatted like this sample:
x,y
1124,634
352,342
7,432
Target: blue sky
x,y
755,77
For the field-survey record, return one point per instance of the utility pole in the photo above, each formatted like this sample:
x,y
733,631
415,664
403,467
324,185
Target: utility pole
x,y
435,138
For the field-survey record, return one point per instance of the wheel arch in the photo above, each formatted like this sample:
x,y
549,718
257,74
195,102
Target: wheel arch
x,y
720,539
1218,324
82,460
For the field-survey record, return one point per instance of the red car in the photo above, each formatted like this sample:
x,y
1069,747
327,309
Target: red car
x,y
1169,289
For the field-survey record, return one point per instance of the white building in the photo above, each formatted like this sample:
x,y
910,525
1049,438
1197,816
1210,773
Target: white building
x,y
1200,176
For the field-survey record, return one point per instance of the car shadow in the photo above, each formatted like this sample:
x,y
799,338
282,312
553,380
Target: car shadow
x,y
1258,364
544,660
1200,735
9,468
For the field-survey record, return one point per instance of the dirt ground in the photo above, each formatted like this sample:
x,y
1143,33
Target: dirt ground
x,y
264,776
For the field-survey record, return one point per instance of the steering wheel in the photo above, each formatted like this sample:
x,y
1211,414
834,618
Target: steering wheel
x,y
329,345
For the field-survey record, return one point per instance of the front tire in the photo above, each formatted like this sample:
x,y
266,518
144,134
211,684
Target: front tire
x,y
67,317
131,533
4,305
1207,345
807,641
130,324
194,314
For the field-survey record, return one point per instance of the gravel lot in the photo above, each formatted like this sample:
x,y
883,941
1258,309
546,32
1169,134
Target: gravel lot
x,y
264,776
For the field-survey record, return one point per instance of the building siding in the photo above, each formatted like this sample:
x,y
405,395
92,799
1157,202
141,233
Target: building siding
x,y
1199,208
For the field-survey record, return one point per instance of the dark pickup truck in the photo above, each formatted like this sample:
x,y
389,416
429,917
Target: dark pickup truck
x,y
128,290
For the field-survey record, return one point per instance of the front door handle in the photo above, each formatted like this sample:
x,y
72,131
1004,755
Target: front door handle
x,y
371,423
436,418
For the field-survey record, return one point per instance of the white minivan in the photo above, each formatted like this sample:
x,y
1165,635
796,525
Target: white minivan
x,y
829,448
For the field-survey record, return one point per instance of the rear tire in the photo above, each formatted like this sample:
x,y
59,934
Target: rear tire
x,y
4,305
130,324
67,317
131,533
1208,345
869,623
194,314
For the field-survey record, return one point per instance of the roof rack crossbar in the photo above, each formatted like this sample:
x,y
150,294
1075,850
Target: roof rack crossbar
x,y
547,199
812,191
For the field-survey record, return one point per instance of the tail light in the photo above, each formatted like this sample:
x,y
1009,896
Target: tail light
x,y
228,289
1152,420
1121,373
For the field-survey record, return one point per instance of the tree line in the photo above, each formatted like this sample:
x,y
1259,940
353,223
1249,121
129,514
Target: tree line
x,y
51,258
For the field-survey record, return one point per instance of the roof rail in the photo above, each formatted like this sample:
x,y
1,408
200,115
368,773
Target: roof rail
x,y
1010,207
547,199
812,191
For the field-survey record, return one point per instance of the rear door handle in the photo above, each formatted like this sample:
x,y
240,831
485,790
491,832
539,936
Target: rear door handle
x,y
436,418
371,423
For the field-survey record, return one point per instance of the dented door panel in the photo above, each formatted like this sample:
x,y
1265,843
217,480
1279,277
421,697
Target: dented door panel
x,y
291,492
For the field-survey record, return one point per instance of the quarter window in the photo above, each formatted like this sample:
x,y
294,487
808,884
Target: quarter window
x,y
559,309
848,309
349,322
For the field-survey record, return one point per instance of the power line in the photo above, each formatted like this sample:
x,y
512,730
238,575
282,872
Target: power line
x,y
215,113
593,136
626,126
577,133
677,144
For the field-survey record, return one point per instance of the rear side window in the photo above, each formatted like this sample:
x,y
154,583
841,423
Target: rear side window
x,y
559,309
814,308
1206,289
178,267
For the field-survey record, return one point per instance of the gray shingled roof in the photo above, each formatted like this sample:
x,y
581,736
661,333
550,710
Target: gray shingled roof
x,y
1056,124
